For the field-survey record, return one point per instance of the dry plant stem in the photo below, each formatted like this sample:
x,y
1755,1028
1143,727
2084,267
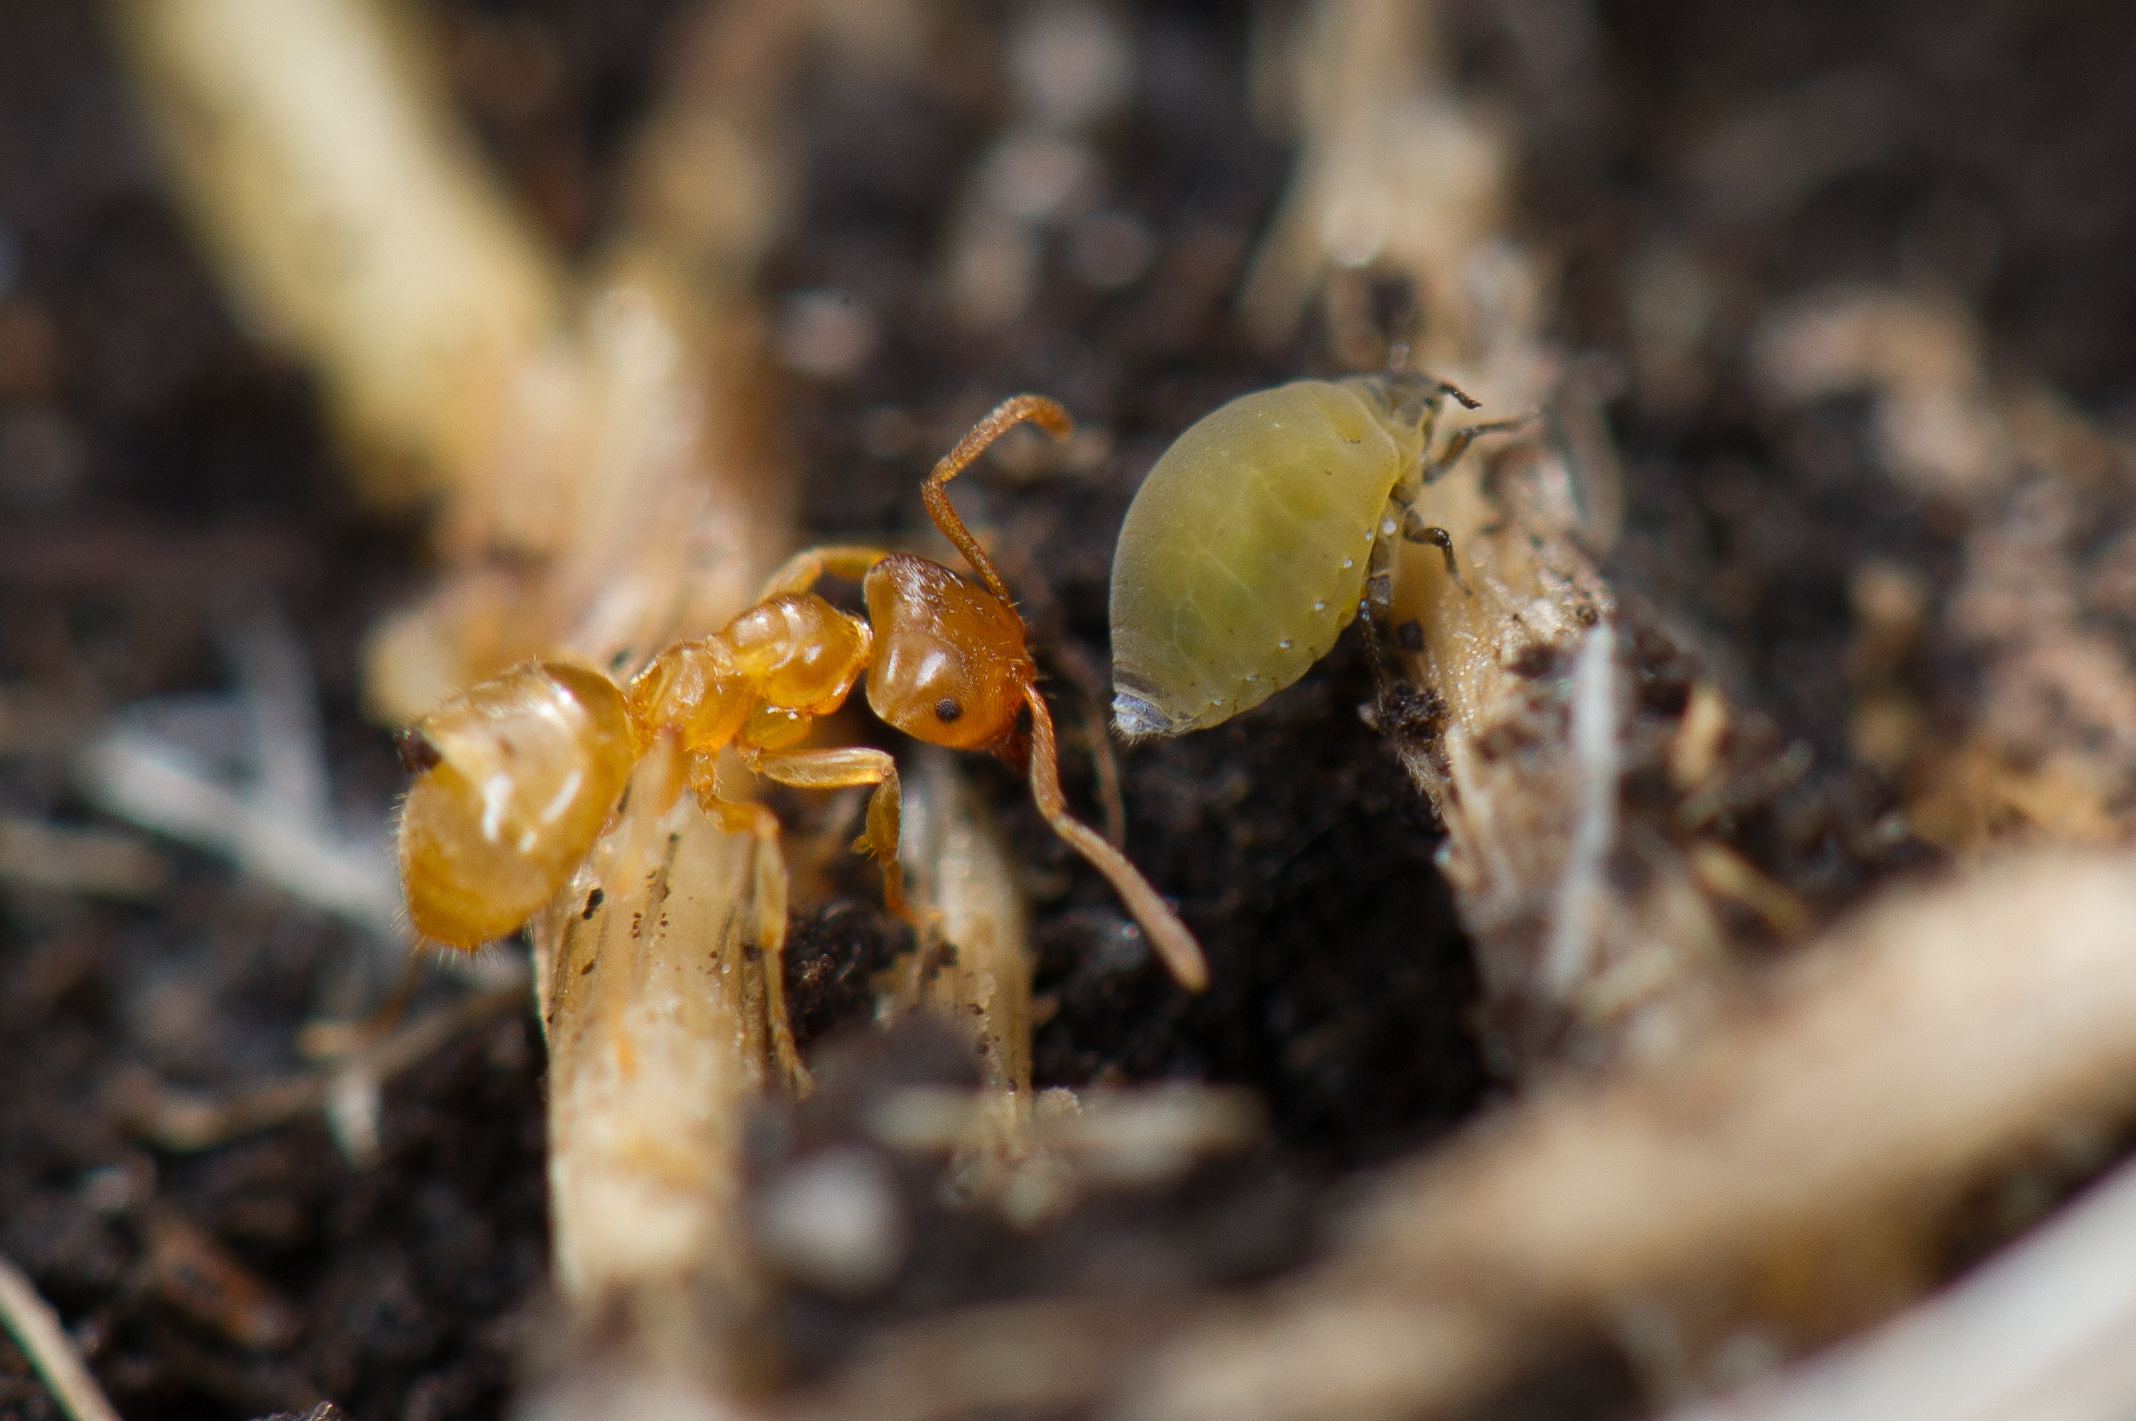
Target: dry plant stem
x,y
607,438
657,1007
1017,1358
1788,1171
137,776
37,1330
2043,1330
184,1121
974,963
352,219
88,861
1521,740
1393,174
2050,749
1523,768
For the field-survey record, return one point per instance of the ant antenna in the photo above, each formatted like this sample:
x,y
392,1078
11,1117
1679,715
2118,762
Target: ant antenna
x,y
1039,410
1171,938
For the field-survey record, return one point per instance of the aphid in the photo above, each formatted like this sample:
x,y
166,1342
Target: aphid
x,y
1259,534
518,775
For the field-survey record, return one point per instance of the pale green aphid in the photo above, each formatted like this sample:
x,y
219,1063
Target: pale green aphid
x,y
1256,537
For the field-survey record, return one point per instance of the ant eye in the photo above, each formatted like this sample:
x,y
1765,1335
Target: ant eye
x,y
947,710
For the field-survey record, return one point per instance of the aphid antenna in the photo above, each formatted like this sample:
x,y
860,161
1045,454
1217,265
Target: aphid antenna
x,y
1036,409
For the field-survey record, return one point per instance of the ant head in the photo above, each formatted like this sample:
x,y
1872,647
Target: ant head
x,y
950,666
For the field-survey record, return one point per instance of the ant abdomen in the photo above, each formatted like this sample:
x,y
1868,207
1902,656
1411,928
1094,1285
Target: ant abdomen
x,y
518,775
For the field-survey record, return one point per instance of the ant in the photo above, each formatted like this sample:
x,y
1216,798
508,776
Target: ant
x,y
517,776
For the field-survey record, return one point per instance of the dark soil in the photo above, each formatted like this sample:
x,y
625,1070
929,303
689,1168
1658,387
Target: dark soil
x,y
157,470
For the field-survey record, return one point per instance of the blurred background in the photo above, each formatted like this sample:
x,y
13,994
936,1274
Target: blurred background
x,y
937,204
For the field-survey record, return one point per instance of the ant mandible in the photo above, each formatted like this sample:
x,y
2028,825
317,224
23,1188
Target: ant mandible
x,y
518,775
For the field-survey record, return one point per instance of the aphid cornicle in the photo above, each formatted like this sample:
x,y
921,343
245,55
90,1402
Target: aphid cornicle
x,y
1258,535
517,776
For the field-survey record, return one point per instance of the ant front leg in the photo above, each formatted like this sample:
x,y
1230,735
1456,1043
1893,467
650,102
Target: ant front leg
x,y
806,568
840,769
742,817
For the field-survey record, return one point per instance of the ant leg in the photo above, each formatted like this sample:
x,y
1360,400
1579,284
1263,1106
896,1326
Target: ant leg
x,y
742,817
1174,943
838,769
1046,414
1440,465
1416,530
811,565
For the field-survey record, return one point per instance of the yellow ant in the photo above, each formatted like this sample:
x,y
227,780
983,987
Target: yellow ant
x,y
518,775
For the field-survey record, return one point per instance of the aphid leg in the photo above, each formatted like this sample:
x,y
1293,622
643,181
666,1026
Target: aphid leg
x,y
1039,410
1416,530
1379,598
838,769
1379,567
811,565
1441,464
741,817
1174,943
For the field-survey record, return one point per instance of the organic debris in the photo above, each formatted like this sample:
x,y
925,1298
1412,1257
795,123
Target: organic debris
x,y
1752,962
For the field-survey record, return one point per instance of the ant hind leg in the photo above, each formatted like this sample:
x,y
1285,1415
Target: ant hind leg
x,y
742,817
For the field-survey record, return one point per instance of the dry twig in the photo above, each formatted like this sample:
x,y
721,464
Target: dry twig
x,y
1523,725
2045,1329
37,1330
185,1121
1788,1174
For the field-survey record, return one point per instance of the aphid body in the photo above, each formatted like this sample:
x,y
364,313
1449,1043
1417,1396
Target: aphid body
x,y
1257,536
517,776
